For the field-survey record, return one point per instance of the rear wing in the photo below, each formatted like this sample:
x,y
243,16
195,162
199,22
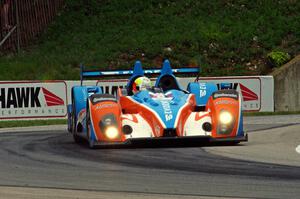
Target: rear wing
x,y
84,74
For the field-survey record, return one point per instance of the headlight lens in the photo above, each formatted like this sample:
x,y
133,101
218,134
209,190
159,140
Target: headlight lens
x,y
225,117
111,132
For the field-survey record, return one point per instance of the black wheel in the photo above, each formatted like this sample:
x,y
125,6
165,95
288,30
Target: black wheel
x,y
88,123
77,139
233,143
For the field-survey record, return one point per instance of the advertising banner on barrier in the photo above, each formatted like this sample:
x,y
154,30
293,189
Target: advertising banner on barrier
x,y
37,100
257,91
32,99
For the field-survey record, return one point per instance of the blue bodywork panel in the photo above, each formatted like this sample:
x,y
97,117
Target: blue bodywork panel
x,y
137,72
202,91
80,95
166,70
166,105
241,126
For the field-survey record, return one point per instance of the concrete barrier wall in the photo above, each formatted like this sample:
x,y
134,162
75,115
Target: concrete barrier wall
x,y
287,86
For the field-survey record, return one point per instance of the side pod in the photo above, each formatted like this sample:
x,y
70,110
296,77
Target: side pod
x,y
226,113
202,91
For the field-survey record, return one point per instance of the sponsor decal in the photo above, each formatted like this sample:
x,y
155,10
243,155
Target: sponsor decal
x,y
101,106
52,99
32,100
218,95
167,110
21,97
225,102
202,89
95,99
227,85
248,95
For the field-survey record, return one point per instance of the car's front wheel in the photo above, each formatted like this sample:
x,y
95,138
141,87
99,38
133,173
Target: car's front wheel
x,y
91,142
77,138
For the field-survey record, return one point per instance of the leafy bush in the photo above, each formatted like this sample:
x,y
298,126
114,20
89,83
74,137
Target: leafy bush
x,y
278,58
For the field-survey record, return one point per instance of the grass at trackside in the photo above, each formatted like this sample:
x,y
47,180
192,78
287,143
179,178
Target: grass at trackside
x,y
223,37
24,123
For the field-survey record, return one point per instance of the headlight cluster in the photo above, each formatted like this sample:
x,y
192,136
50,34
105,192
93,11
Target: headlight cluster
x,y
111,132
225,117
226,122
109,126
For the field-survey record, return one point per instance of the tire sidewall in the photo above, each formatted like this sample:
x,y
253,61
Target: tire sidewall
x,y
88,123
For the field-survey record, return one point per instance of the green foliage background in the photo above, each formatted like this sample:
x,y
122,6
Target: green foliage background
x,y
222,37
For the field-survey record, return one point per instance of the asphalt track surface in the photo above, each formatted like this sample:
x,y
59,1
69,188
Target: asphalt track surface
x,y
48,164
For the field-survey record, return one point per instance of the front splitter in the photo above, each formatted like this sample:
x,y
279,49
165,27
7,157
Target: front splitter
x,y
189,141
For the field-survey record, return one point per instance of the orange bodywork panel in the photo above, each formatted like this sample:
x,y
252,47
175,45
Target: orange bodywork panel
x,y
130,106
98,111
216,106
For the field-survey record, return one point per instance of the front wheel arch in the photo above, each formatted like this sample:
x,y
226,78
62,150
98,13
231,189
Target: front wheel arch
x,y
91,142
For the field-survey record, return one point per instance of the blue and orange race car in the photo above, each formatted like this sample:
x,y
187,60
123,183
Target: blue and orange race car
x,y
164,113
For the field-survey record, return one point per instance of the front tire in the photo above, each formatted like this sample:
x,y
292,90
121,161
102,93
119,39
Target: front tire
x,y
77,139
88,124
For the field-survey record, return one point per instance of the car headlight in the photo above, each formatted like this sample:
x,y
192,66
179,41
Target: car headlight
x,y
225,117
111,132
